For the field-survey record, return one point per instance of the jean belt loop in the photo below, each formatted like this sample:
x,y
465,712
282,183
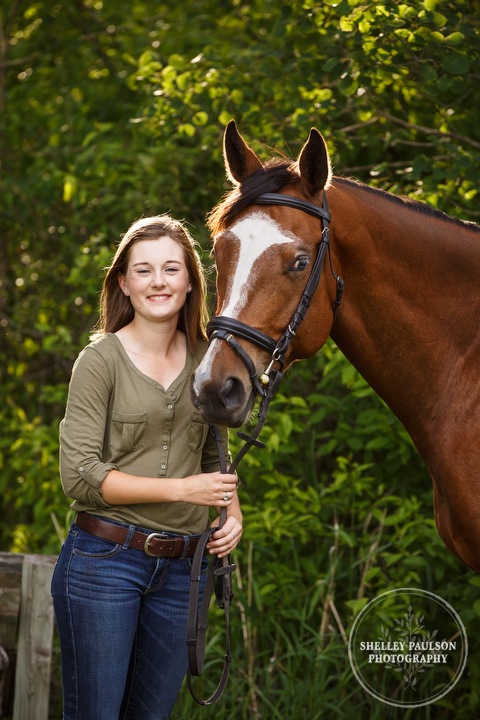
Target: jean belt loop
x,y
128,539
186,543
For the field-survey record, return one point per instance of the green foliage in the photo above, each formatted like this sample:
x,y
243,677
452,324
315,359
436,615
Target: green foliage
x,y
109,111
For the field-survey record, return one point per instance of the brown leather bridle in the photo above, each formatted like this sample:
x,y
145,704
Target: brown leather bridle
x,y
222,327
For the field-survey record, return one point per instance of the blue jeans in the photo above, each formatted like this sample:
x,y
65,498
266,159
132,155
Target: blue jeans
x,y
121,618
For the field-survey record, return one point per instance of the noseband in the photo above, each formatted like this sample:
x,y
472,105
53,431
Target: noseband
x,y
226,328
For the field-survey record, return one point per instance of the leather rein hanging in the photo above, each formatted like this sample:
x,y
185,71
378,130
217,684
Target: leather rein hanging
x,y
219,578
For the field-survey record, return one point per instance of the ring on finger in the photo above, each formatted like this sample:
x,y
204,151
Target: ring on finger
x,y
226,497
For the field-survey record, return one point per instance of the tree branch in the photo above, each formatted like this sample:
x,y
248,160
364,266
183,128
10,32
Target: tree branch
x,y
430,131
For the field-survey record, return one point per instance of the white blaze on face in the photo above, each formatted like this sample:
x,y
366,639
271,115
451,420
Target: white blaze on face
x,y
256,233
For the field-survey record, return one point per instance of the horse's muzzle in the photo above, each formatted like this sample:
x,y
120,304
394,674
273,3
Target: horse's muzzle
x,y
225,402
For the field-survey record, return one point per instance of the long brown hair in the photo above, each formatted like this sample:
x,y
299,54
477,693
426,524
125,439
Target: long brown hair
x,y
116,310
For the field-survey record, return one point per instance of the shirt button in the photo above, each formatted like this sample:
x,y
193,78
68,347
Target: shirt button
x,y
163,467
169,407
81,469
165,447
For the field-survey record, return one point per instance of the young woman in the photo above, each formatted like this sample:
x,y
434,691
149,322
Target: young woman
x,y
142,469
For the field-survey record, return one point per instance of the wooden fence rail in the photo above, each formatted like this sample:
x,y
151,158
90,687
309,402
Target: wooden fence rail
x,y
26,633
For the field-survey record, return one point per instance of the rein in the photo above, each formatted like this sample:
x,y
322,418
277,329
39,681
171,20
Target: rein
x,y
219,579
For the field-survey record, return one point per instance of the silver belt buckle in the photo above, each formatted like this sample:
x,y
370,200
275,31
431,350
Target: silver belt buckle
x,y
149,539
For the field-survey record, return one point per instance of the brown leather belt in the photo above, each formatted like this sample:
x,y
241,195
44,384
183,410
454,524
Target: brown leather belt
x,y
154,544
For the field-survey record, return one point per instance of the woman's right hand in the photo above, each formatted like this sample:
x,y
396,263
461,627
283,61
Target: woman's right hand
x,y
214,489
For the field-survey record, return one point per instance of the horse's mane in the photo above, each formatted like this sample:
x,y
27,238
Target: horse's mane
x,y
406,202
277,173
272,177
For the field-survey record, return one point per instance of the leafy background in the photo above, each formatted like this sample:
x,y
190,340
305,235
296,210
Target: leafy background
x,y
109,111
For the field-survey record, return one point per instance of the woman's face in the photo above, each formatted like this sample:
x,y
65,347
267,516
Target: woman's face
x,y
156,279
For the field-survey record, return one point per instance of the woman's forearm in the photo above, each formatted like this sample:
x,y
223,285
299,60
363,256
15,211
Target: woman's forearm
x,y
119,488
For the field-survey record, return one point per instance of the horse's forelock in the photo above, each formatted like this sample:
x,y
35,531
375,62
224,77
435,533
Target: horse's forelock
x,y
275,175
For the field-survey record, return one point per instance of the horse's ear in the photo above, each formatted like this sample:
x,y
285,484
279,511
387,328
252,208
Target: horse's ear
x,y
240,160
314,164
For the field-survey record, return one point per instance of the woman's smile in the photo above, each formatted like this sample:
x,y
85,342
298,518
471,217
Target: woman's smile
x,y
159,298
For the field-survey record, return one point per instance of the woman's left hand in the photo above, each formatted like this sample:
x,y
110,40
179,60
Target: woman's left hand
x,y
226,538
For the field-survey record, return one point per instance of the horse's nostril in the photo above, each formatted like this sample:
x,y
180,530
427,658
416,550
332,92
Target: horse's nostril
x,y
232,393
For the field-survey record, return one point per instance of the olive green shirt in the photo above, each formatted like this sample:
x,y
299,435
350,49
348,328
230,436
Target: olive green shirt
x,y
119,418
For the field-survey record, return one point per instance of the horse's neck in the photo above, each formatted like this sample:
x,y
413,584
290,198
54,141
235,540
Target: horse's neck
x,y
410,314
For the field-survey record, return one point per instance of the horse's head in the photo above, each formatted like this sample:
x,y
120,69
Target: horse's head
x,y
268,233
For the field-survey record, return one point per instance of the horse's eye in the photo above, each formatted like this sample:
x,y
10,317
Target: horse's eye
x,y
301,263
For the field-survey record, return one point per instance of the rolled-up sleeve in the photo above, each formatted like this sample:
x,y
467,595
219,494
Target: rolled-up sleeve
x,y
82,431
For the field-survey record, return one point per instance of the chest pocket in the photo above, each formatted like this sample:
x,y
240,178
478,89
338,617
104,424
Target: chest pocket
x,y
128,432
197,432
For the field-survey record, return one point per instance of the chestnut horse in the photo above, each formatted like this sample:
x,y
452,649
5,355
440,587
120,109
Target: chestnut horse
x,y
409,319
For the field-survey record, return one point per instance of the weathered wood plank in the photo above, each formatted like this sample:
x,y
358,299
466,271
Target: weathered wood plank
x,y
10,593
32,677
